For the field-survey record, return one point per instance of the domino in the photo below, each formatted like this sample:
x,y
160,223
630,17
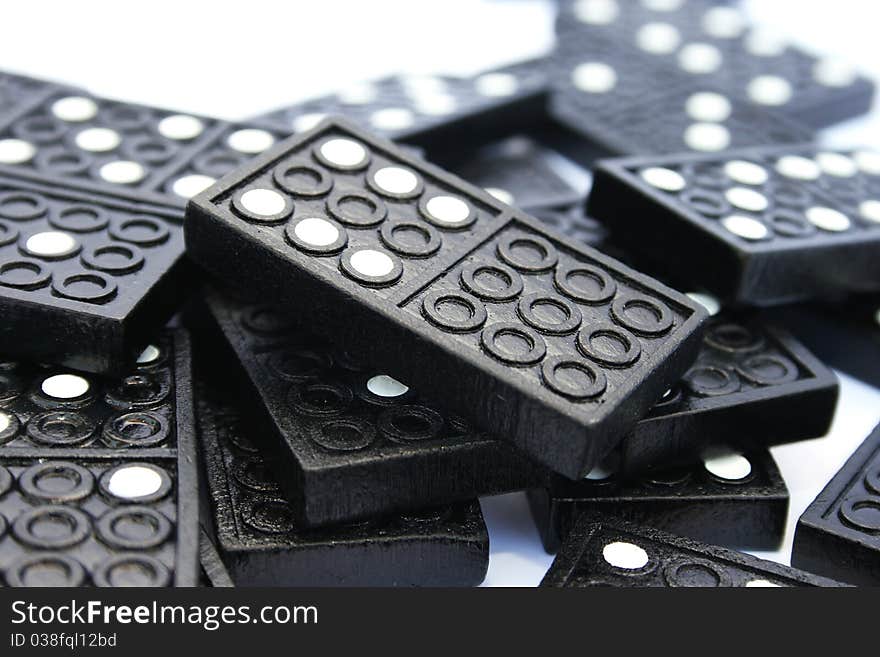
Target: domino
x,y
347,442
845,335
730,498
87,275
557,347
520,172
605,551
764,226
697,41
262,545
753,385
839,533
166,155
431,111
98,483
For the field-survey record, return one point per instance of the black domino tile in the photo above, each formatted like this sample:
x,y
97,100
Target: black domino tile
x,y
347,442
403,303
432,111
763,226
262,545
87,275
753,385
701,43
730,498
603,550
839,533
98,484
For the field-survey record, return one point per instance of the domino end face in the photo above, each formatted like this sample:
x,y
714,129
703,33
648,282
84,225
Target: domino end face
x,y
432,268
762,227
605,551
262,545
728,498
839,533
98,478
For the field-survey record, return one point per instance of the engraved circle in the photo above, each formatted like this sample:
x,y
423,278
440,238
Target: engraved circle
x,y
56,481
573,379
46,569
513,343
91,287
641,315
302,180
51,527
491,281
360,209
411,239
60,428
454,311
136,429
131,570
344,435
549,313
585,283
527,253
410,423
133,528
609,345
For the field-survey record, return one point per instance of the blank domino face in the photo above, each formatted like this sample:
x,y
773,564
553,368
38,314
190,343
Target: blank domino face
x,y
728,498
839,533
466,294
778,224
752,385
262,545
338,428
700,42
605,551
97,479
86,276
125,145
411,108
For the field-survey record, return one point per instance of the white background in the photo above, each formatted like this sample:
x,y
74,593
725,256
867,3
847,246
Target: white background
x,y
235,59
